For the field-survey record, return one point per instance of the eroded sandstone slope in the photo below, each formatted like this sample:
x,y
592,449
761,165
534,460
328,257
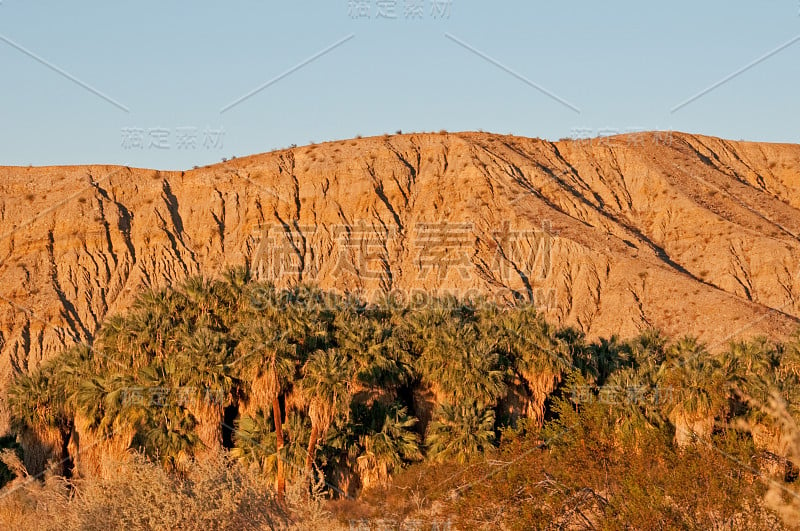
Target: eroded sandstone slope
x,y
691,234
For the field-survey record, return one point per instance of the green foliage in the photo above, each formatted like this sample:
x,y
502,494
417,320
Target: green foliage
x,y
460,431
254,442
168,435
464,365
386,440
349,385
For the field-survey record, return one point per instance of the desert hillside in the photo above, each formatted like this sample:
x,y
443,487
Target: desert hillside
x,y
690,234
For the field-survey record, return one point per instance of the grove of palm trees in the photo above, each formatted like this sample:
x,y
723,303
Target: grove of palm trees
x,y
447,412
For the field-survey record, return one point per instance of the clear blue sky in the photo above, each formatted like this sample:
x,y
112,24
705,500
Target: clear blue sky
x,y
176,64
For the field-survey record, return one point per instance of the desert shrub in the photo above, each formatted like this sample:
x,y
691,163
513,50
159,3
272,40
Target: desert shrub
x,y
578,474
7,474
214,494
323,395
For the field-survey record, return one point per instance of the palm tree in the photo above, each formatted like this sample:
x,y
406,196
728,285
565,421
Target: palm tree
x,y
631,392
231,293
388,444
142,335
88,438
416,327
255,442
172,437
789,357
608,355
754,373
107,411
698,387
537,355
275,332
459,365
326,391
648,348
460,431
200,376
38,413
297,435
141,411
631,396
200,293
269,365
44,400
381,364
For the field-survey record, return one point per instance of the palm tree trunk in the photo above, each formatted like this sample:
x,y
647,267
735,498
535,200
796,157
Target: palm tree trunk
x,y
276,414
209,422
312,448
40,446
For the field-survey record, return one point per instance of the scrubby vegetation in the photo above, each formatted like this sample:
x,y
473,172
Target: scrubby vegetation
x,y
445,411
138,494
